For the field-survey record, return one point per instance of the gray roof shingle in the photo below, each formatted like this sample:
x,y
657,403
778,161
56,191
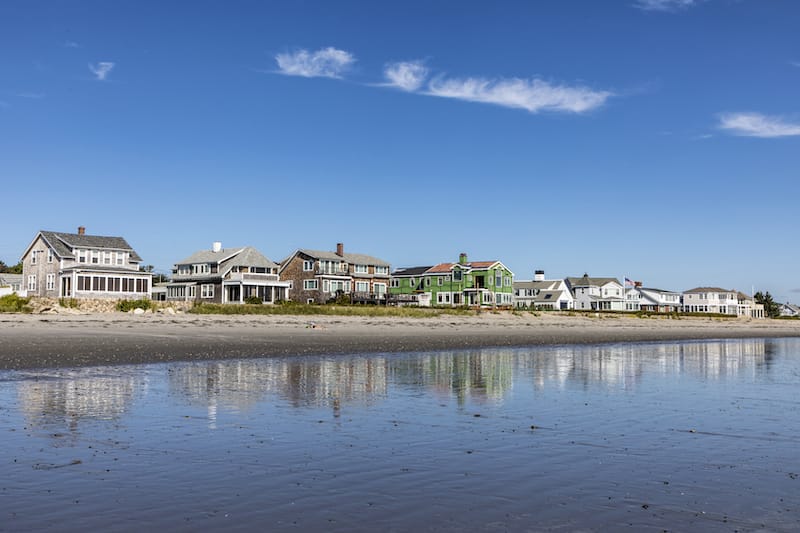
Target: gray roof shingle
x,y
64,243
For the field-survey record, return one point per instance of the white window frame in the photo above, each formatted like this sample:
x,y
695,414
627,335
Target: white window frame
x,y
207,290
361,269
33,257
191,291
310,285
381,270
32,282
308,265
394,283
362,286
51,282
379,288
49,255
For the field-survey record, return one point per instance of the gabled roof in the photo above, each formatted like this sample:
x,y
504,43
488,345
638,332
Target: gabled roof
x,y
63,244
247,256
660,291
445,268
707,289
411,271
10,279
353,259
586,281
545,285
548,296
441,268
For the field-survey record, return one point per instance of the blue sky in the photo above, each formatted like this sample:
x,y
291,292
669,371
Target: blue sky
x,y
653,139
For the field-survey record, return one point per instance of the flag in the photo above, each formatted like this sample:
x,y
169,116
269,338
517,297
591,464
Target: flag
x,y
629,282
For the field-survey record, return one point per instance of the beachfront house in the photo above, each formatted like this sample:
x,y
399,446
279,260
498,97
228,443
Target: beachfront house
x,y
320,276
465,283
790,310
226,275
11,284
658,300
407,286
77,265
712,300
541,293
597,294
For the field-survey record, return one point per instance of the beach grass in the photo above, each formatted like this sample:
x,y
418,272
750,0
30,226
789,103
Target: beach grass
x,y
291,308
12,303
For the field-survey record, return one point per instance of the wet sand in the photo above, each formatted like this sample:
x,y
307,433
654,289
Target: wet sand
x,y
36,341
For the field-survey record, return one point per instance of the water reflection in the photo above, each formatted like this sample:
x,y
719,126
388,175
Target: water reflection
x,y
62,399
57,401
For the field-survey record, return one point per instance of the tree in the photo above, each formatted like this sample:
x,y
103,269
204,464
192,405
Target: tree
x,y
771,309
13,269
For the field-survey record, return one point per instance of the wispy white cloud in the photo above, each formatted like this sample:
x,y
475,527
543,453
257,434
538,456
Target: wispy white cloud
x,y
101,69
406,75
757,125
32,96
325,63
664,5
795,63
71,44
532,95
702,137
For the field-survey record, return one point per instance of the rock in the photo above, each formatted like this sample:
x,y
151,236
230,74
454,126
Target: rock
x,y
138,311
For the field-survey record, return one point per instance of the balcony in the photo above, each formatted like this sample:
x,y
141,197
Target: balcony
x,y
250,276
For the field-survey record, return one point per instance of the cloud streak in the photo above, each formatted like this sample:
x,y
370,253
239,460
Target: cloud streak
x,y
101,70
406,75
325,63
664,5
533,95
757,125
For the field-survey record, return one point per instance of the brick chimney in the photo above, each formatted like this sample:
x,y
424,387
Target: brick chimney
x,y
81,230
340,249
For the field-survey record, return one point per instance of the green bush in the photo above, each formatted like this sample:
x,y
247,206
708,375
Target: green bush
x,y
13,303
253,300
130,305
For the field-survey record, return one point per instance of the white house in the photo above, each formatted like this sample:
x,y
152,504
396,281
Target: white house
x,y
659,300
714,300
541,293
788,309
11,284
597,294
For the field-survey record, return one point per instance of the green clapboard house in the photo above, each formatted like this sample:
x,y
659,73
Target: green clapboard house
x,y
465,283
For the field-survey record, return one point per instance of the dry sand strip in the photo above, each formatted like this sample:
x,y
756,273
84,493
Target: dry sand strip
x,y
36,341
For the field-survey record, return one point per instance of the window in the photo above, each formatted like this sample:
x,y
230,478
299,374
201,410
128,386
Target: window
x,y
498,278
98,283
202,268
439,281
49,255
81,256
308,266
106,258
394,283
184,270
114,284
310,284
32,282
362,286
507,281
191,291
382,270
120,258
206,290
51,282
457,275
379,288
326,285
427,281
34,255
412,282
362,269
95,257
84,283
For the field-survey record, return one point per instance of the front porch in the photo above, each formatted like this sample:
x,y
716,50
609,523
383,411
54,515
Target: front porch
x,y
266,287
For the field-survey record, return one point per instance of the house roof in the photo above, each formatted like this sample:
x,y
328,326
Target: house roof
x,y
445,268
63,243
411,271
10,279
353,259
548,296
707,289
441,268
662,291
586,281
247,256
541,285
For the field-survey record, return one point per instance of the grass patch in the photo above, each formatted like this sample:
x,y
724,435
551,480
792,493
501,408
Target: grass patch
x,y
70,303
293,308
13,303
130,305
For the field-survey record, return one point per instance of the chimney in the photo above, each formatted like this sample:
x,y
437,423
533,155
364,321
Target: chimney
x,y
538,275
216,246
81,230
340,249
462,258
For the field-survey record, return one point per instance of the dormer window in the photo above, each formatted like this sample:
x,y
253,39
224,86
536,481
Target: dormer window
x,y
361,269
202,268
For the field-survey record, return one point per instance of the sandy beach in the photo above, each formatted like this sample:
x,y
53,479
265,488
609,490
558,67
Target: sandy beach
x,y
36,341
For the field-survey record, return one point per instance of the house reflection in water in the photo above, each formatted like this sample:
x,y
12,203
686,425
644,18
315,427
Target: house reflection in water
x,y
58,401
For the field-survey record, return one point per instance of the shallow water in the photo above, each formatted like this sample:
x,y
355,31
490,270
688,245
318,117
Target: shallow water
x,y
692,436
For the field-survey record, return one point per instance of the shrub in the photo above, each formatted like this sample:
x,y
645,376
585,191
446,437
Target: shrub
x,y
71,303
253,300
130,305
13,303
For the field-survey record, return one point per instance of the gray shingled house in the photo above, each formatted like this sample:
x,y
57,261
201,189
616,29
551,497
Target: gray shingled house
x,y
76,265
226,275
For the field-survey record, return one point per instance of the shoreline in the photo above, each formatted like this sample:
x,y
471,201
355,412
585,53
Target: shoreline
x,y
63,341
